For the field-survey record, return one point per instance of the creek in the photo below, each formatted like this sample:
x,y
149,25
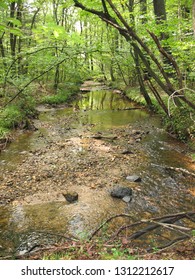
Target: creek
x,y
65,154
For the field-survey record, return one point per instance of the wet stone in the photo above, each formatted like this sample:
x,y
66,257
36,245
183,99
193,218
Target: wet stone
x,y
71,196
126,152
127,198
121,192
133,178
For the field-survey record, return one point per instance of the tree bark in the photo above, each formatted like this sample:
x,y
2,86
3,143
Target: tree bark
x,y
160,14
159,10
12,36
2,48
143,10
193,15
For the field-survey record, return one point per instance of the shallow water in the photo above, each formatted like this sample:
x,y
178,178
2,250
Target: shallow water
x,y
23,226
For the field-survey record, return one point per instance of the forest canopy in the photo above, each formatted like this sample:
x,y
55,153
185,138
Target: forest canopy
x,y
51,46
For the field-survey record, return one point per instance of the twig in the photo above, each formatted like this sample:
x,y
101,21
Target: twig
x,y
168,245
172,218
175,94
106,222
174,228
178,169
34,79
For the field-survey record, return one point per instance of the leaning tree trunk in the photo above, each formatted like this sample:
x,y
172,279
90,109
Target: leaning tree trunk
x,y
143,50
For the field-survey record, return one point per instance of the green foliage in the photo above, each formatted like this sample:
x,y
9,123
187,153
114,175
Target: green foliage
x,y
3,131
62,95
37,37
26,103
58,98
10,117
135,95
181,123
17,113
118,254
83,249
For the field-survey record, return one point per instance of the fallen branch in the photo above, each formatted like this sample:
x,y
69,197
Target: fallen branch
x,y
177,169
107,221
182,170
169,244
167,219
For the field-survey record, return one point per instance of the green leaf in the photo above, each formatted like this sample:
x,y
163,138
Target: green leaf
x,y
15,21
3,5
15,31
3,27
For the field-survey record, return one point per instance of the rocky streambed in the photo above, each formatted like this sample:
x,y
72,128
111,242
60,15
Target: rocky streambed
x,y
89,149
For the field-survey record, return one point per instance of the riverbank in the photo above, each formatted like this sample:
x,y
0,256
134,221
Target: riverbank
x,y
111,251
90,149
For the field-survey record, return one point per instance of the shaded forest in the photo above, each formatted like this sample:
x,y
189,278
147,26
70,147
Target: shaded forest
x,y
146,48
141,53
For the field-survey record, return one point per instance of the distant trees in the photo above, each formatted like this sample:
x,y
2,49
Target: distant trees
x,y
139,43
193,15
151,61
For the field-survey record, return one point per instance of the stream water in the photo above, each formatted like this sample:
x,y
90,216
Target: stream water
x,y
64,147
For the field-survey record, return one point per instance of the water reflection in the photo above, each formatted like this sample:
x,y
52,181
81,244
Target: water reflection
x,y
103,100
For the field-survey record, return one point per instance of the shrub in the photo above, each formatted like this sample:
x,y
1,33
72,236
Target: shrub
x,y
10,117
181,123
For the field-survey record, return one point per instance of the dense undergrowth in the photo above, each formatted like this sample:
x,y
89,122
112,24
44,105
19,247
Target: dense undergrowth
x,y
181,120
20,112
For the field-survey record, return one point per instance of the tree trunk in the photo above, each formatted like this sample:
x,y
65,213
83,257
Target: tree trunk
x,y
160,14
159,10
12,36
142,49
2,48
56,78
193,15
136,59
143,89
143,10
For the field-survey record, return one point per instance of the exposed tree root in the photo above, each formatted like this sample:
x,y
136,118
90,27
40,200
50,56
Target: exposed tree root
x,y
74,246
163,221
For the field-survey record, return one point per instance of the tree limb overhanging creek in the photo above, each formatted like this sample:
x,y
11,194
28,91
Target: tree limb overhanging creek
x,y
91,148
